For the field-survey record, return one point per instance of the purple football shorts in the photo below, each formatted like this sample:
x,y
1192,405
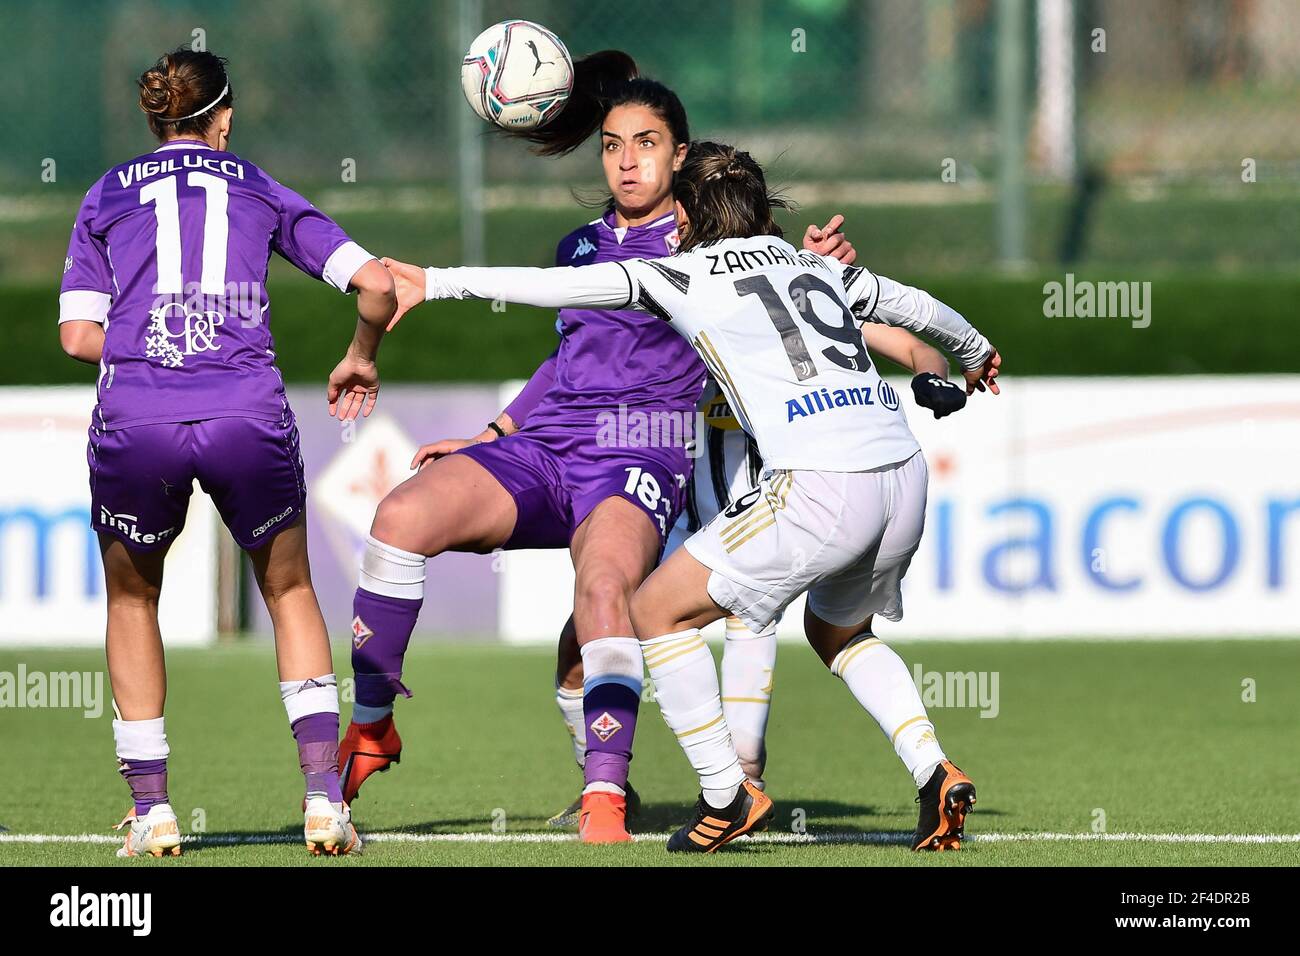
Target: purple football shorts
x,y
557,476
141,478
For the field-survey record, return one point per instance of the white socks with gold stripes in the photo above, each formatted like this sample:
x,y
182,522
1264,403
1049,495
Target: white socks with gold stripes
x,y
883,685
686,687
748,660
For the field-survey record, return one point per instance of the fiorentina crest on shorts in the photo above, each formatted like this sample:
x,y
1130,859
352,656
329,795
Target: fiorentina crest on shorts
x,y
360,633
605,726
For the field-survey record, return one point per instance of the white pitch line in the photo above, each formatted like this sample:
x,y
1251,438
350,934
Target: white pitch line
x,y
829,839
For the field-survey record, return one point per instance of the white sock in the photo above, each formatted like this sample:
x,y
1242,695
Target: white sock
x,y
570,703
391,572
883,685
316,695
140,739
748,660
686,687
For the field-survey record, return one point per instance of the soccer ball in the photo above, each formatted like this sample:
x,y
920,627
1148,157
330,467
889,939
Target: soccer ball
x,y
517,74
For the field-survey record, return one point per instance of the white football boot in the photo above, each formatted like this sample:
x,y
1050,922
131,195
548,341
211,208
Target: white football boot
x,y
156,833
327,827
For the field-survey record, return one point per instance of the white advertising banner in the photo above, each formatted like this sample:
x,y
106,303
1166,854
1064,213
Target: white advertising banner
x,y
1089,507
51,576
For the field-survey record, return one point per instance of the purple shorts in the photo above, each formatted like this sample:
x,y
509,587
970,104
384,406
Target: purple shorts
x,y
141,478
559,475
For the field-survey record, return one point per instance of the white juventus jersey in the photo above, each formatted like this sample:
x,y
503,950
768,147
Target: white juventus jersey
x,y
779,330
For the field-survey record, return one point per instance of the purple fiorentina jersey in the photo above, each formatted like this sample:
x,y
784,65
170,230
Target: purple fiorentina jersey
x,y
607,359
169,252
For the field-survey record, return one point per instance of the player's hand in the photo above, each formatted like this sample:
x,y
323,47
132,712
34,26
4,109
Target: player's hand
x,y
409,281
440,449
938,394
353,387
827,240
985,375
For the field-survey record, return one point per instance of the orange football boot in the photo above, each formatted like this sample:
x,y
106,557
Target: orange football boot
x,y
945,800
603,819
367,749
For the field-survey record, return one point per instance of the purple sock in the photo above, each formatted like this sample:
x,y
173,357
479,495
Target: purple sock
x,y
381,629
317,736
148,782
609,707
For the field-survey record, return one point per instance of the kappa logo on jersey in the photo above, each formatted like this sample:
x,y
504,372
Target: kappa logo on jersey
x,y
197,333
129,526
605,726
585,247
360,633
67,265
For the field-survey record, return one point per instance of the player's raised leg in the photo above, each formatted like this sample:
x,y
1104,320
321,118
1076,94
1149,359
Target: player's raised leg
x,y
882,684
613,550
837,621
451,504
668,611
138,676
748,666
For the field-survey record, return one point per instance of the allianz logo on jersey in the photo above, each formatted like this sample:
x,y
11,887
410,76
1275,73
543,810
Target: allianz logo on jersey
x,y
824,400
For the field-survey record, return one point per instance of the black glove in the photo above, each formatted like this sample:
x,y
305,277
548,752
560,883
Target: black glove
x,y
937,394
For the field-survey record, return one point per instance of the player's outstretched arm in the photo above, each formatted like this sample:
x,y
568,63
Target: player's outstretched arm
x,y
606,285
918,311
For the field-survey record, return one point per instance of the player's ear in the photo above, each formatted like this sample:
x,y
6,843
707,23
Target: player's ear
x,y
679,157
679,212
225,118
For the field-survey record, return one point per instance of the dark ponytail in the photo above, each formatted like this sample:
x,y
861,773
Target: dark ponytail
x,y
601,82
181,84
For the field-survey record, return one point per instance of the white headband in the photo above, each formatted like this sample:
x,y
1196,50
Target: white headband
x,y
224,90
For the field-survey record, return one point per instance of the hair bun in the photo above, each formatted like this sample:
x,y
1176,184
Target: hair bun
x,y
157,93
735,171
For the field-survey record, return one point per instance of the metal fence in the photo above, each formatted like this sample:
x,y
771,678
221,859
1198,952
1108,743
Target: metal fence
x,y
1013,120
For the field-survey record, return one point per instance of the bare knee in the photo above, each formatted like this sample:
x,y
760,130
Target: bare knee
x,y
602,600
284,584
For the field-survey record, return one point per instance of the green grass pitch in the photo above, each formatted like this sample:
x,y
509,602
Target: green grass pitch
x,y
1153,735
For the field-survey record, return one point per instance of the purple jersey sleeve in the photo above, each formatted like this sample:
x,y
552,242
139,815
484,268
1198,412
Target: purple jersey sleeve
x,y
532,393
542,379
87,288
314,242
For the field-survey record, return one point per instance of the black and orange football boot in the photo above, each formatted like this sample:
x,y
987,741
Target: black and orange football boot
x,y
367,749
750,812
945,800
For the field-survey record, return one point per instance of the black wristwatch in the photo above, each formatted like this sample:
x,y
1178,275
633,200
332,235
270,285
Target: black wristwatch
x,y
497,428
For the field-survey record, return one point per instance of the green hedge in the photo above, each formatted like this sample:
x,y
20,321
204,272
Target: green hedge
x,y
1198,325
